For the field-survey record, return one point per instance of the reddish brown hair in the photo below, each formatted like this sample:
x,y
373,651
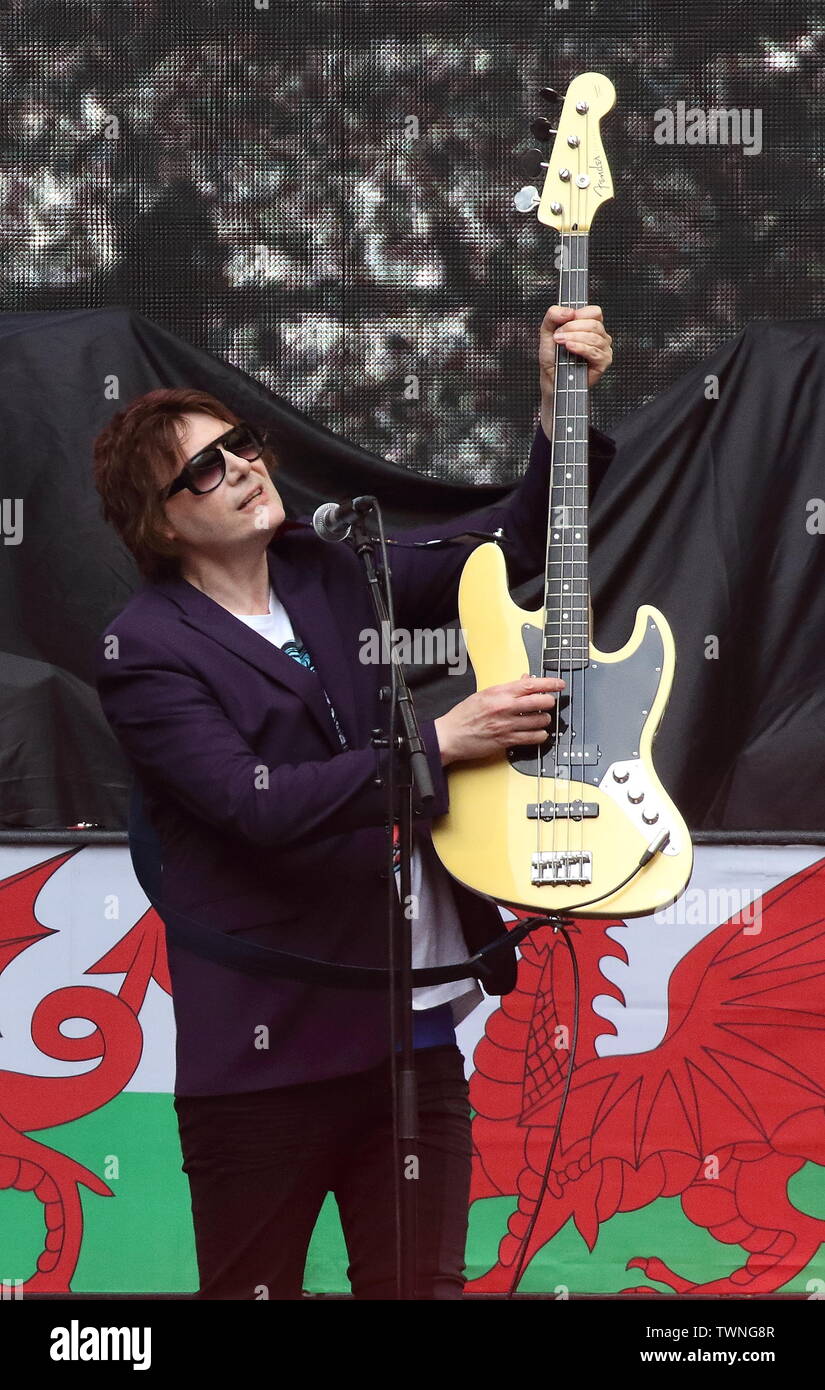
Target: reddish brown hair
x,y
138,449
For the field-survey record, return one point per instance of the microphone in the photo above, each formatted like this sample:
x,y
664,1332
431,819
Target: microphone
x,y
332,521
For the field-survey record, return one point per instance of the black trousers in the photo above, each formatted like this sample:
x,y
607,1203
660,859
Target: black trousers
x,y
260,1164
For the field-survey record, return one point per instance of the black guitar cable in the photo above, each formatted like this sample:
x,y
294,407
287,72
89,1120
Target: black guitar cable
x,y
561,926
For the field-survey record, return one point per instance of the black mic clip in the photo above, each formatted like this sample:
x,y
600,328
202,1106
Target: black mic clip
x,y
333,521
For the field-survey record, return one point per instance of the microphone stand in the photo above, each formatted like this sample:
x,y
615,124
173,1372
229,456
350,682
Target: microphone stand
x,y
409,770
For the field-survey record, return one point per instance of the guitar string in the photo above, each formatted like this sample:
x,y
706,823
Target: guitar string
x,y
553,611
565,546
584,625
540,749
576,369
583,396
574,374
556,547
559,413
565,621
553,727
570,520
569,548
571,293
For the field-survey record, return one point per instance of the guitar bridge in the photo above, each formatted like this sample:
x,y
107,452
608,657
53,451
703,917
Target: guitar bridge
x,y
562,867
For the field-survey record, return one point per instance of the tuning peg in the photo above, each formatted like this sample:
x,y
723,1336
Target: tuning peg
x,y
549,94
531,163
542,128
526,199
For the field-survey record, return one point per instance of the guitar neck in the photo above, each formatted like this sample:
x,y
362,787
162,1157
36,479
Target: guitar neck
x,y
567,585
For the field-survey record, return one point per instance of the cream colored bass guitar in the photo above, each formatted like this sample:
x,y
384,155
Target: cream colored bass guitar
x,y
581,823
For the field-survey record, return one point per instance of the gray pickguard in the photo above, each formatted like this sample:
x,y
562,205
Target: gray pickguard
x,y
602,709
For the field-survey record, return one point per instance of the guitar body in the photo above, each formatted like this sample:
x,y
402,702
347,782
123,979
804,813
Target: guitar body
x,y
597,760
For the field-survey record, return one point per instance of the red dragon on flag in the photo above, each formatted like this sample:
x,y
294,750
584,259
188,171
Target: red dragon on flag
x,y
727,1108
40,1102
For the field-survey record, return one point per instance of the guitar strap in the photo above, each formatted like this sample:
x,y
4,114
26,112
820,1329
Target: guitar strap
x,y
253,959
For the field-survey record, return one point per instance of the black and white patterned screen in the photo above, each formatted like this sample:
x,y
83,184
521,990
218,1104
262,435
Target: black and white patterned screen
x,y
321,193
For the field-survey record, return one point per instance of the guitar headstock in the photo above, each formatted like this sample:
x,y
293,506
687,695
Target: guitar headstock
x,y
578,179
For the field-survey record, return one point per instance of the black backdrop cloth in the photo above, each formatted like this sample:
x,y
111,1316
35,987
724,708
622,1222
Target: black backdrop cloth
x,y
705,512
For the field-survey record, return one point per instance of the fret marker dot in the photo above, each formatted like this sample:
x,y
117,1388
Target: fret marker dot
x,y
565,586
578,535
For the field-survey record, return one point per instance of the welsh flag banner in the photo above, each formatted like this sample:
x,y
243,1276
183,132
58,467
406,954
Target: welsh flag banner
x,y
691,1154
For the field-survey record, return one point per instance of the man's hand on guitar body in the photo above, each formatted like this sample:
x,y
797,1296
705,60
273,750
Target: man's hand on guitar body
x,y
497,718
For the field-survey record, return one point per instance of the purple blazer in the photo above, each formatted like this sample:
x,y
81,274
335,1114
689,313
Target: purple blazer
x,y
267,828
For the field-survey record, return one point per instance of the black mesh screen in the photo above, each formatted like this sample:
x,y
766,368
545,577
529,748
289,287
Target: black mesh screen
x,y
251,177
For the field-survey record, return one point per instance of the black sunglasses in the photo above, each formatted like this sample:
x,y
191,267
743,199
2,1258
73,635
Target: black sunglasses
x,y
206,469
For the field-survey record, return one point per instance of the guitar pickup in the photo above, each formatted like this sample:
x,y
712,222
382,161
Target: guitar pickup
x,y
588,755
562,867
562,810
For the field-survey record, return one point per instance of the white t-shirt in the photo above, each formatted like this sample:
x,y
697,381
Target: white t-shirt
x,y
437,938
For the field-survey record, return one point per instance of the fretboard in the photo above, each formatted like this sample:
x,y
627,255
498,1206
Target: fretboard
x,y
567,588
